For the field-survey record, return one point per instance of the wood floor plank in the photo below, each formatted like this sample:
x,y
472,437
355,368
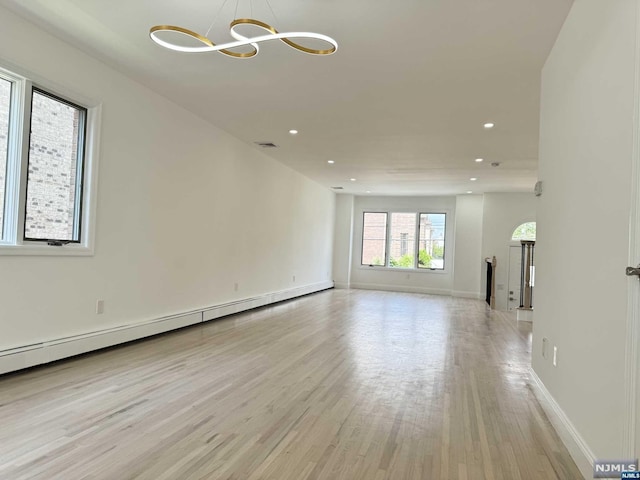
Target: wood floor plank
x,y
344,384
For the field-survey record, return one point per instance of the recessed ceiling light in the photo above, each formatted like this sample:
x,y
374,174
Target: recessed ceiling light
x,y
353,179
331,162
478,160
489,125
368,191
473,179
469,191
293,132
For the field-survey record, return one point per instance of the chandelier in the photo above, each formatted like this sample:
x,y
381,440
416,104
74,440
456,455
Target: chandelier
x,y
198,43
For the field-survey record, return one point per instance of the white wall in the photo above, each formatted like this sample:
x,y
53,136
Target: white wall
x,y
583,218
343,240
184,212
468,246
503,212
438,282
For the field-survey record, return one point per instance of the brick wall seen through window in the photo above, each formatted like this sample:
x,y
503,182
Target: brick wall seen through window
x,y
5,102
53,162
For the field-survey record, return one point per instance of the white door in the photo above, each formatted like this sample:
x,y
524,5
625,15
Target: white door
x,y
515,276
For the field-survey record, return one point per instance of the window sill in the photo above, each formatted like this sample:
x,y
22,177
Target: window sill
x,y
46,250
402,270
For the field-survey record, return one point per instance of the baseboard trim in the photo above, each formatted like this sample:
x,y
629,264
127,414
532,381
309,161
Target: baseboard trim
x,y
401,288
578,448
344,286
25,356
463,294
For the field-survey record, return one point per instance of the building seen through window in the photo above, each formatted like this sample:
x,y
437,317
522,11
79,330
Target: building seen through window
x,y
404,240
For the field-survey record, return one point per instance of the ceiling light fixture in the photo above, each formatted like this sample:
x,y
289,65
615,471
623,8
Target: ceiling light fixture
x,y
161,34
489,125
469,191
330,162
353,179
478,160
473,179
293,132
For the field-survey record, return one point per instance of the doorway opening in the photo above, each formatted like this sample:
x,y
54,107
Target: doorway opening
x,y
526,232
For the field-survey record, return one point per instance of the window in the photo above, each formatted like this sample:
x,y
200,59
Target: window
x,y
431,251
54,180
374,238
5,102
526,231
402,241
45,172
407,240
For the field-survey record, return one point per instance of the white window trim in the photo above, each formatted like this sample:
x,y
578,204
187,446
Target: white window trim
x,y
386,268
15,194
380,268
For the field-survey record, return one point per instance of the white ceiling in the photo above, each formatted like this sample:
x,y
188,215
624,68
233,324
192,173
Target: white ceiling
x,y
400,106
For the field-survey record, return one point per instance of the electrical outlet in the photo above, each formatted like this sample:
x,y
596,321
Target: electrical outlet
x,y
545,347
99,307
235,286
555,356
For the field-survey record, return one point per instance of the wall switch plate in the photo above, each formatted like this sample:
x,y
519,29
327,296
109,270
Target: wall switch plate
x,y
555,356
99,307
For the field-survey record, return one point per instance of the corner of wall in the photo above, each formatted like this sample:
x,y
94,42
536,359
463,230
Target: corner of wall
x,y
343,240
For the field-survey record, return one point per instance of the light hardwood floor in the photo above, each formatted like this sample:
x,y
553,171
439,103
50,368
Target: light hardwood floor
x,y
344,384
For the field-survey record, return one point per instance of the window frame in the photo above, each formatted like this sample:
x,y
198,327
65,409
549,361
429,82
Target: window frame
x,y
416,267
444,243
80,164
386,238
13,240
416,231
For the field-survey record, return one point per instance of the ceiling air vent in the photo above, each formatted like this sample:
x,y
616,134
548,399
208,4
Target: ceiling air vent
x,y
338,188
266,144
